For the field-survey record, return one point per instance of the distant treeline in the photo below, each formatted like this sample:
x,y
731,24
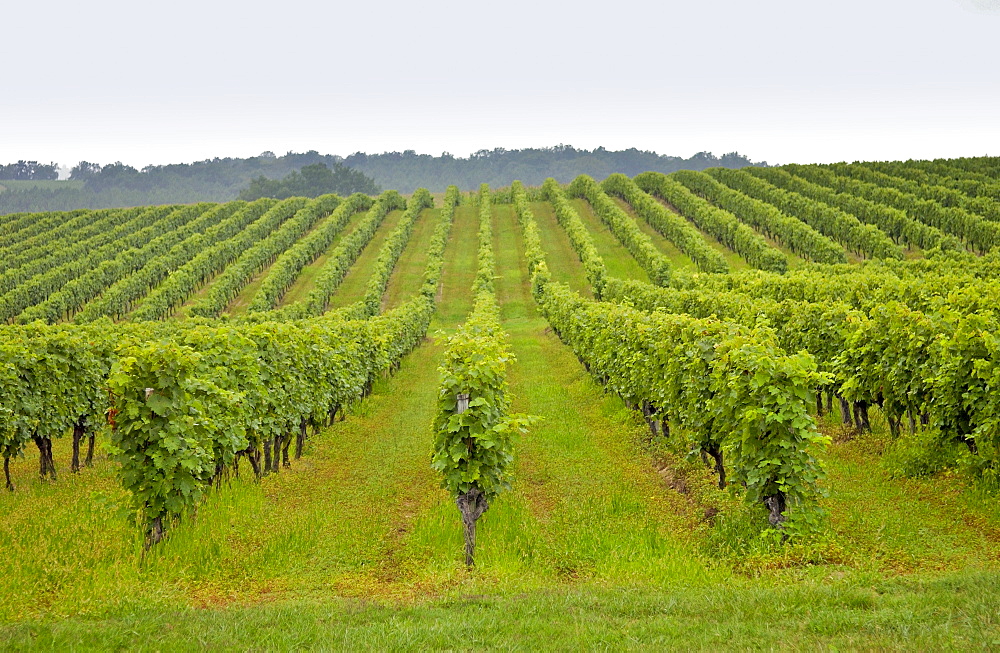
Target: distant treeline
x,y
117,184
29,171
408,170
312,181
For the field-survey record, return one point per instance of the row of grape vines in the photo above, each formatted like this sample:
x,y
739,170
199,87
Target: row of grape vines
x,y
916,340
473,428
742,394
188,399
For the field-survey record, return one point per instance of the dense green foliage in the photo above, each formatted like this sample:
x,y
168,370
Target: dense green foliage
x,y
188,398
975,231
262,216
893,222
920,184
305,215
68,264
70,298
312,181
976,191
499,167
92,185
223,179
35,248
29,170
117,301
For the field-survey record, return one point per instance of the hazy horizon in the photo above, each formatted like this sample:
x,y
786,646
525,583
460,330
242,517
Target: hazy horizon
x,y
786,82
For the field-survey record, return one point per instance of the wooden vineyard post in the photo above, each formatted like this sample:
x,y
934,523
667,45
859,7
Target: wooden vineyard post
x,y
471,504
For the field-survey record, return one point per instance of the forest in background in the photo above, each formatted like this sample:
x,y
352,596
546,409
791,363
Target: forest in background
x,y
221,179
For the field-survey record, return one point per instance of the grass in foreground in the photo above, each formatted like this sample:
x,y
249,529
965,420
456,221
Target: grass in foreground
x,y
950,612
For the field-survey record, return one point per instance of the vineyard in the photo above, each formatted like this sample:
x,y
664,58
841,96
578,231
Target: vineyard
x,y
598,411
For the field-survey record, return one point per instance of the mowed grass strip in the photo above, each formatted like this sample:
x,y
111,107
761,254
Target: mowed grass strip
x,y
617,259
564,264
454,299
956,611
355,283
304,281
407,276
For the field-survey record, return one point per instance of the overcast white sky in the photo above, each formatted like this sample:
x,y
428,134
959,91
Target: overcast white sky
x,y
785,81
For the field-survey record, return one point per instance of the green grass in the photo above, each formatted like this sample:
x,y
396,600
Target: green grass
x,y
408,274
616,258
454,297
563,262
355,282
951,612
304,282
